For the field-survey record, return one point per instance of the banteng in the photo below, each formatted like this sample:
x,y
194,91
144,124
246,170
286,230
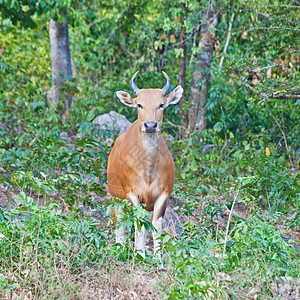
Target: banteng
x,y
140,166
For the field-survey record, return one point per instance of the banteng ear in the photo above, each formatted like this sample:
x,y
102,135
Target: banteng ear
x,y
125,98
175,96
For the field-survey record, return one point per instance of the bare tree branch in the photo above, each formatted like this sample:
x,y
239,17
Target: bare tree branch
x,y
273,95
267,28
283,5
259,13
248,69
227,41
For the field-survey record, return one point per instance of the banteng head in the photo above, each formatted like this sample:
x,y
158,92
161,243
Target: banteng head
x,y
150,103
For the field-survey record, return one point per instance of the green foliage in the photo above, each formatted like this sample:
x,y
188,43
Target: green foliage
x,y
259,237
66,178
203,269
23,11
132,214
192,264
213,160
32,237
270,182
129,218
40,227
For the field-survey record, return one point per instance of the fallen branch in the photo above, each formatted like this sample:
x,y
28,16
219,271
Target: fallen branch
x,y
228,222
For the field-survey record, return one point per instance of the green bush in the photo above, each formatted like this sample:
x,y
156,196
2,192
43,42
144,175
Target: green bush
x,y
34,239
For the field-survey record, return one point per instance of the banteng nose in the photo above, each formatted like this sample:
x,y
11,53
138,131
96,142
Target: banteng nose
x,y
150,127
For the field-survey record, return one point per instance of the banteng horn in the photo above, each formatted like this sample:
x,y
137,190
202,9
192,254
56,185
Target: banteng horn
x,y
134,87
167,85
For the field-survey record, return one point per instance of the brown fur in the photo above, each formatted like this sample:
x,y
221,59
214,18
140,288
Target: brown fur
x,y
141,163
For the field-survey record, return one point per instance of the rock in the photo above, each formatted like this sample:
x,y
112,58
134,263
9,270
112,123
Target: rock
x,y
171,222
174,201
64,136
169,138
113,122
286,287
207,149
153,281
109,141
92,212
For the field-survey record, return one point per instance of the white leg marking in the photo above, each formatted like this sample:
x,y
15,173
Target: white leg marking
x,y
157,221
140,236
133,199
120,231
140,240
156,235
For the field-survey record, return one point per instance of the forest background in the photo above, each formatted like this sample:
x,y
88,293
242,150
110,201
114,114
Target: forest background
x,y
236,147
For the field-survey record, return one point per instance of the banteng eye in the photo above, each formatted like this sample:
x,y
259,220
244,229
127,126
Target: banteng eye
x,y
161,106
139,106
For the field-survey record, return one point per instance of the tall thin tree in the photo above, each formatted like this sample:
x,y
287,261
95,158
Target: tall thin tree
x,y
61,65
201,74
182,68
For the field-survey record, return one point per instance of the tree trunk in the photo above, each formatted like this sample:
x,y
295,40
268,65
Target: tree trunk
x,y
199,85
61,66
182,70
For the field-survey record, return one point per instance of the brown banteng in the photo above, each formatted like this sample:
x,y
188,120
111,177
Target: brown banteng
x,y
140,166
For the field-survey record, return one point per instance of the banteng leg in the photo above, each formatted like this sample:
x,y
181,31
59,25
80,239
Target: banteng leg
x,y
120,231
157,220
140,236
